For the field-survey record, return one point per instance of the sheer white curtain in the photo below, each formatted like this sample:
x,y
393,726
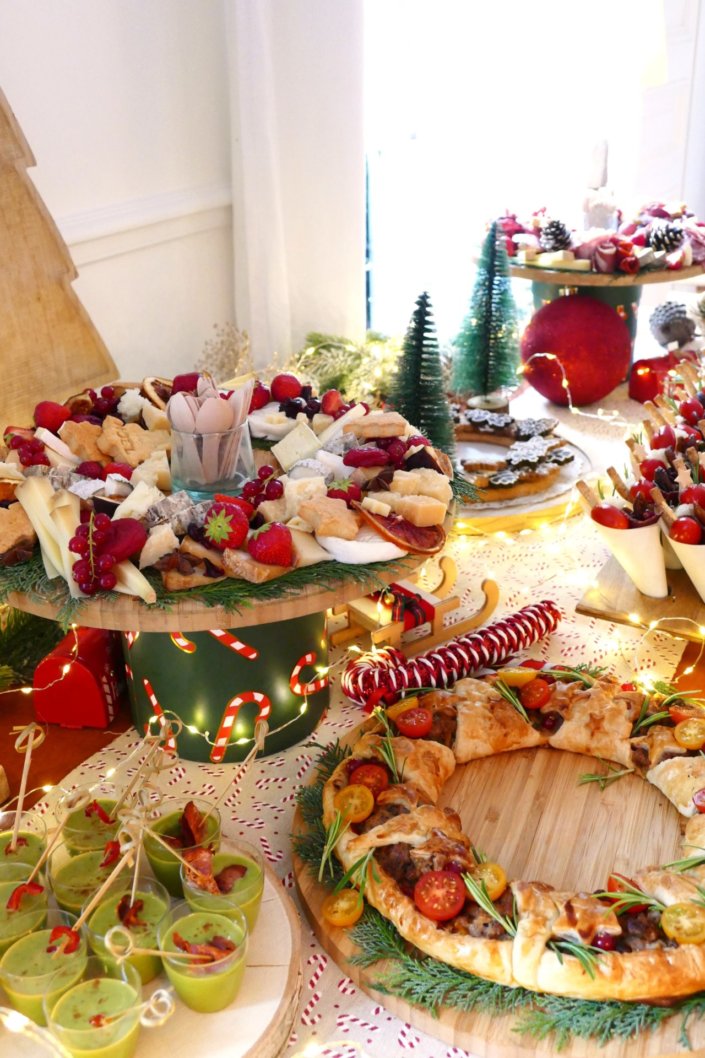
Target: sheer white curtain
x,y
296,76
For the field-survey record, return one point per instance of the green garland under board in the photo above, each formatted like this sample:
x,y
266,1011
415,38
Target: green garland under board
x,y
431,984
24,641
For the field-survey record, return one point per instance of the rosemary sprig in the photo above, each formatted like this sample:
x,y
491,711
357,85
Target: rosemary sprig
x,y
646,719
627,897
512,697
586,954
603,781
334,832
386,746
357,874
689,862
585,674
478,855
478,891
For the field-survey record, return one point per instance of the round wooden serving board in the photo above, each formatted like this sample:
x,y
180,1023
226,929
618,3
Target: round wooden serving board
x,y
129,614
569,278
526,811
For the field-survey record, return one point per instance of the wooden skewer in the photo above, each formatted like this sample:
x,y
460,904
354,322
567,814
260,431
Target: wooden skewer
x,y
30,736
662,507
619,484
654,413
588,494
665,409
168,847
80,803
139,775
123,862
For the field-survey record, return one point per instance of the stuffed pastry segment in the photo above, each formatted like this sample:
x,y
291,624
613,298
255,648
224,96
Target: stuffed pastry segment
x,y
486,723
680,778
419,858
596,720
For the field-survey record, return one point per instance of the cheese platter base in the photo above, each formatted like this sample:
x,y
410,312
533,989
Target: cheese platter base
x,y
527,811
614,597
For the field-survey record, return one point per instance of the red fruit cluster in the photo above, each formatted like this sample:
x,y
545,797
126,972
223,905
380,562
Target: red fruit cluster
x,y
104,403
100,544
30,449
264,487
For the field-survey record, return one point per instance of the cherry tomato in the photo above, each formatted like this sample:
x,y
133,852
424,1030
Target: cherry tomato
x,y
343,908
414,723
609,515
535,694
373,776
664,437
627,687
684,923
680,712
691,410
440,895
641,488
699,799
493,876
648,467
532,663
693,494
617,883
690,733
518,677
686,531
355,803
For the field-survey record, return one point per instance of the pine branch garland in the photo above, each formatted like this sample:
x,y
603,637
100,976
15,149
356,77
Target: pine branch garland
x,y
24,641
486,349
417,392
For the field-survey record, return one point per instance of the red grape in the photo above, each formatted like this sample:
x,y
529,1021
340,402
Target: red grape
x,y
686,531
609,515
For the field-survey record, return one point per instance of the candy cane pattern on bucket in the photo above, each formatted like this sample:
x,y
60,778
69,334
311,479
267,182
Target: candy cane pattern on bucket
x,y
186,645
306,688
233,643
131,638
159,713
230,715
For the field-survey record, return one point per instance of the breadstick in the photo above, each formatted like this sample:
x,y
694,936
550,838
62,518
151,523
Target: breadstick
x,y
665,409
662,507
654,413
686,380
620,486
648,430
588,494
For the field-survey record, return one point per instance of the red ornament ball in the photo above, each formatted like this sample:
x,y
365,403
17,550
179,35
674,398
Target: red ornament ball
x,y
590,340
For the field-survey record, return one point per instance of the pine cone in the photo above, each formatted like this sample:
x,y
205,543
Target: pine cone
x,y
555,235
665,237
670,323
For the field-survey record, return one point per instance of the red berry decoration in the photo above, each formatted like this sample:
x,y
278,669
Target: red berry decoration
x,y
184,383
648,468
225,526
273,490
664,437
285,387
589,339
90,468
345,489
272,544
51,415
331,402
686,531
265,472
124,469
691,410
260,396
610,516
642,488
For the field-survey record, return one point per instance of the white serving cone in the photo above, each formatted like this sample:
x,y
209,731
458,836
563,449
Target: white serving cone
x,y
692,557
640,554
671,558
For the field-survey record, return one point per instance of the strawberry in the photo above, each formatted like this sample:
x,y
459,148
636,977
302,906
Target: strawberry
x,y
185,383
235,501
117,468
331,402
51,415
344,489
272,544
226,526
285,387
260,396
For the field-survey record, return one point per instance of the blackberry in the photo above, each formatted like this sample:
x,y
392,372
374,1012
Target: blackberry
x,y
555,235
670,323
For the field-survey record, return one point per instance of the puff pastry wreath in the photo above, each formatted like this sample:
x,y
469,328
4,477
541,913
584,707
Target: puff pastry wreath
x,y
407,835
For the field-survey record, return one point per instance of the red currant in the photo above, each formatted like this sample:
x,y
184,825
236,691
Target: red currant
x,y
81,569
104,563
108,392
101,521
89,587
99,537
107,581
265,472
251,489
78,546
273,490
83,530
604,941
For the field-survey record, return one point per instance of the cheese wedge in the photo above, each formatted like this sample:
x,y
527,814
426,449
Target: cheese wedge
x,y
301,443
37,496
131,582
66,516
139,501
57,445
307,549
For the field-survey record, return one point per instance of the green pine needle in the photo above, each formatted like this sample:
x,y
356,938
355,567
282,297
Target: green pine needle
x,y
24,641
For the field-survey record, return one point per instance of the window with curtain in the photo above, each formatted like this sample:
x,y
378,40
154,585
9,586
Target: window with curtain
x,y
472,109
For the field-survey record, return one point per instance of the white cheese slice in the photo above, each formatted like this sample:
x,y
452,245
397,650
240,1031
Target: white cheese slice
x,y
307,549
336,427
301,443
155,418
162,540
376,506
368,546
269,422
139,501
56,445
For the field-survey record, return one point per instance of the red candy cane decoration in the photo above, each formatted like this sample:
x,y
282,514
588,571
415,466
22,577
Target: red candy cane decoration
x,y
159,713
233,643
179,640
306,688
230,715
387,673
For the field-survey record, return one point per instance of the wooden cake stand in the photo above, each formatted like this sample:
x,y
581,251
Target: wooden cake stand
x,y
569,835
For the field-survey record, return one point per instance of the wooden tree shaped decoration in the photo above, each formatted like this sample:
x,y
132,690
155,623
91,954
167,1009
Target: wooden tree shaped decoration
x,y
49,346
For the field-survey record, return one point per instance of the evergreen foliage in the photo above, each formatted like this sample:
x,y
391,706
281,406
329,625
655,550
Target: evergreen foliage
x,y
417,392
487,347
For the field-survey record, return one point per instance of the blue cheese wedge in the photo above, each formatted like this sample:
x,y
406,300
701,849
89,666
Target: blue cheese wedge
x,y
301,443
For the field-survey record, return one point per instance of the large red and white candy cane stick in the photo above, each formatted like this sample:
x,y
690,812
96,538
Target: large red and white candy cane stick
x,y
230,715
231,641
179,640
306,688
386,673
159,713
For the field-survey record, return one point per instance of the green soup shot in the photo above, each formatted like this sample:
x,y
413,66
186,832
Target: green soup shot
x,y
141,917
74,879
230,879
185,828
23,906
36,960
31,839
99,1016
90,827
204,956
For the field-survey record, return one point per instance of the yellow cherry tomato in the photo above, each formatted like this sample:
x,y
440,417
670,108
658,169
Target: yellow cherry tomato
x,y
517,677
493,876
684,923
342,909
355,802
400,707
690,733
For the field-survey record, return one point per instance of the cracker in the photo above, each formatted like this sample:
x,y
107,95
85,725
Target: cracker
x,y
17,536
128,442
378,424
82,439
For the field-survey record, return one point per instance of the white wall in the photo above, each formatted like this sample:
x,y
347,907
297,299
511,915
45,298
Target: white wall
x,y
124,103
